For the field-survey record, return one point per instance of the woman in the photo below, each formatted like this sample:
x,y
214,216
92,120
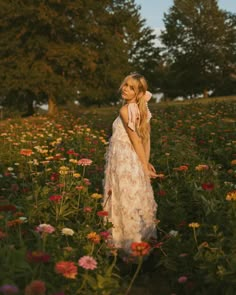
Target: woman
x,y
128,195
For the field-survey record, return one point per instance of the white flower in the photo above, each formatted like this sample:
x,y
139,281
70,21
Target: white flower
x,y
67,231
173,233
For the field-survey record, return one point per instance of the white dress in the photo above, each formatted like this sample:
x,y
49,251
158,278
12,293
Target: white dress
x,y
128,194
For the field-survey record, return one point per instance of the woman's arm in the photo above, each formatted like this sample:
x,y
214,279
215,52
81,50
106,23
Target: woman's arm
x,y
147,145
136,142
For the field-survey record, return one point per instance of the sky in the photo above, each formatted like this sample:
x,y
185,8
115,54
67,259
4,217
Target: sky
x,y
153,10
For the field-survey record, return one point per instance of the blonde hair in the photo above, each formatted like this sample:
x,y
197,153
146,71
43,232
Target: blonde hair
x,y
143,129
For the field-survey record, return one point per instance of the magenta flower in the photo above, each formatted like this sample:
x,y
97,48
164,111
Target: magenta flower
x,y
45,228
9,289
87,262
85,162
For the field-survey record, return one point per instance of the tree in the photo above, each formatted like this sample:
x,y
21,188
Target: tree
x,y
54,51
197,47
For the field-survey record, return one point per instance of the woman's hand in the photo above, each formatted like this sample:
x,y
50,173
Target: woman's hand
x,y
151,167
150,171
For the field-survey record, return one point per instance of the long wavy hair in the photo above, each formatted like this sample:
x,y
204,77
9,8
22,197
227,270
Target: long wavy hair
x,y
140,88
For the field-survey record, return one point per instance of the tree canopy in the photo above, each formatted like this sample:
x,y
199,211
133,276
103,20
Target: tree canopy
x,y
66,50
199,41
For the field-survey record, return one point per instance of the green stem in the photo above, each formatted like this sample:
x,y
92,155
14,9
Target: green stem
x,y
140,260
195,236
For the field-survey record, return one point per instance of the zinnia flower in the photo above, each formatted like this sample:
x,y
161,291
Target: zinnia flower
x,y
38,256
194,225
233,162
96,196
26,152
87,262
94,237
9,289
208,186
231,196
66,268
36,287
85,162
181,168
45,228
67,231
55,198
201,167
140,248
182,279
102,213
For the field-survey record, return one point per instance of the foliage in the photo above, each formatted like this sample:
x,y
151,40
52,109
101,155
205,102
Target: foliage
x,y
199,45
47,177
70,50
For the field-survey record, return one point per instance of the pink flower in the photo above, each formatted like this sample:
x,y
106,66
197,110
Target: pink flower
x,y
85,162
87,262
105,235
36,287
66,268
87,209
45,228
182,279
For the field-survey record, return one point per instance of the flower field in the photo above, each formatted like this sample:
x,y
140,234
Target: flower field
x,y
53,238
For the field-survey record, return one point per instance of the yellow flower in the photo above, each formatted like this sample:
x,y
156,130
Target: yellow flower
x,y
76,175
231,196
96,196
63,170
194,225
74,161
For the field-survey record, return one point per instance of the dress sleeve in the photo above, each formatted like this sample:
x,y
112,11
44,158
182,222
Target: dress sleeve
x,y
133,115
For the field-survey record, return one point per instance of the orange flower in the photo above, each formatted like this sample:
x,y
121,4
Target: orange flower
x,y
181,168
14,222
94,237
231,196
140,248
201,167
233,162
66,268
26,152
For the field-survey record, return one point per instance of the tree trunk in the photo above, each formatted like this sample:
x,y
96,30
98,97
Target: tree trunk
x,y
52,106
205,93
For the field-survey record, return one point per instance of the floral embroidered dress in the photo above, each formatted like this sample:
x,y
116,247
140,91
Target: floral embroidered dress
x,y
128,194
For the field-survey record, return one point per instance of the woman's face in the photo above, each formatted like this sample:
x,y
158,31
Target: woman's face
x,y
129,90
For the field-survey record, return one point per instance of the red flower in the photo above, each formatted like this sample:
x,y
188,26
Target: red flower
x,y
55,198
102,213
36,287
208,186
140,248
38,256
54,176
161,193
66,268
